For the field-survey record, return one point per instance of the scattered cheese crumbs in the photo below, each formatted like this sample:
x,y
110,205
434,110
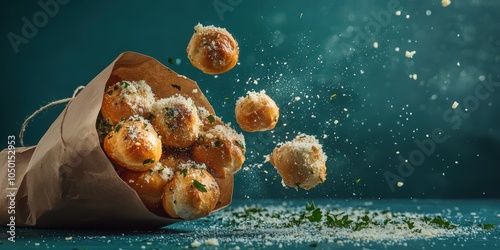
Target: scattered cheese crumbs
x,y
396,49
195,244
400,184
398,13
445,3
336,122
410,54
194,91
297,98
69,238
212,242
413,76
375,45
345,109
428,12
454,105
407,16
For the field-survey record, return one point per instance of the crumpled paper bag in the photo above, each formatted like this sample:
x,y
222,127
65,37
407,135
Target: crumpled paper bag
x,y
67,181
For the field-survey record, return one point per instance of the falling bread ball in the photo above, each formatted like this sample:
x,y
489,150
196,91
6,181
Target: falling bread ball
x,y
256,112
300,162
212,50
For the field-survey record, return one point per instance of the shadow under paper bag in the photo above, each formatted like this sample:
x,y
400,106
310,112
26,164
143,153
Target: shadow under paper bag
x,y
67,181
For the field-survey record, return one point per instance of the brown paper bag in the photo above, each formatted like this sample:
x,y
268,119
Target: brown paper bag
x,y
67,181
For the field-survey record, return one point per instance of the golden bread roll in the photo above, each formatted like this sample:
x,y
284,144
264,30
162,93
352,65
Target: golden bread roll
x,y
256,112
191,194
125,99
213,50
221,149
133,144
176,120
149,185
300,162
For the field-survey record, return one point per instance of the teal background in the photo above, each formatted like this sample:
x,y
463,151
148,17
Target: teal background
x,y
305,49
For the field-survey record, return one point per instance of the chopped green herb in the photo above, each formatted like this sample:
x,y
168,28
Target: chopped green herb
x,y
217,142
310,207
148,161
410,224
211,118
198,185
358,180
333,221
170,126
316,215
487,226
184,171
438,221
333,96
125,84
151,172
170,112
170,60
226,98
117,128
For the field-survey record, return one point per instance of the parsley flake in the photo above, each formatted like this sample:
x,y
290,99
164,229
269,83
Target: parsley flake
x,y
148,161
183,171
198,185
211,118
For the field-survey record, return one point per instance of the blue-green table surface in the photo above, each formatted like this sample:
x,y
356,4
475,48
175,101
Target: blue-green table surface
x,y
183,234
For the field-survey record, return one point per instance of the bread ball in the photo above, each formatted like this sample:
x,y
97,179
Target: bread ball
x,y
221,149
191,194
213,50
125,99
300,162
256,112
149,185
133,144
176,120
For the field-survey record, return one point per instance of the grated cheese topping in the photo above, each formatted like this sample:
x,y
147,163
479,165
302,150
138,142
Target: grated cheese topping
x,y
137,94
